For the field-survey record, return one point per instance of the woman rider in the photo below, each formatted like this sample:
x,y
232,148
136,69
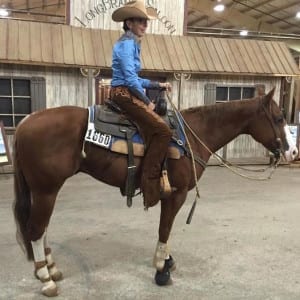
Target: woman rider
x,y
128,93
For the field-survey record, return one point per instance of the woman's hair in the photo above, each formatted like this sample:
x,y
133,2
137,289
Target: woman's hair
x,y
125,26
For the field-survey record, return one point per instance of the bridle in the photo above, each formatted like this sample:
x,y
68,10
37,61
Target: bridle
x,y
279,146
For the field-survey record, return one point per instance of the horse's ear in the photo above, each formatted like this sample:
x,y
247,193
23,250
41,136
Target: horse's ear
x,y
268,98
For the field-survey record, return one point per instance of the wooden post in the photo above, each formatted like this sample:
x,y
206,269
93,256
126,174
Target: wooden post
x,y
181,77
90,73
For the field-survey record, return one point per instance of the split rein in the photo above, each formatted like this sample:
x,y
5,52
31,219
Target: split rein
x,y
223,162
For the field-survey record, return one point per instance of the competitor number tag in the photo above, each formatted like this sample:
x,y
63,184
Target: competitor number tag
x,y
98,138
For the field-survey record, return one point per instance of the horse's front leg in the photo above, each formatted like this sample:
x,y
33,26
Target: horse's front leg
x,y
163,261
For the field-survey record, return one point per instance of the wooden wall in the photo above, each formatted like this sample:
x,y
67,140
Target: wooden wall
x,y
64,86
97,14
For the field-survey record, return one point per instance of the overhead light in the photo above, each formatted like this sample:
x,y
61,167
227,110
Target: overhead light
x,y
4,12
298,15
219,7
244,32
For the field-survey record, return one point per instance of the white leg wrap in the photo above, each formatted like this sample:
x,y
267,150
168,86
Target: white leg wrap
x,y
161,253
38,249
50,262
43,273
49,259
46,239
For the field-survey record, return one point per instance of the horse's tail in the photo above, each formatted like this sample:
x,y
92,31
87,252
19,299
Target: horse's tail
x,y
22,205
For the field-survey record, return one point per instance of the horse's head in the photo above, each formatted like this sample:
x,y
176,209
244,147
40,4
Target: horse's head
x,y
270,128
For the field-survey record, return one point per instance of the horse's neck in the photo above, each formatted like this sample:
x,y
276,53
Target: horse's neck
x,y
217,125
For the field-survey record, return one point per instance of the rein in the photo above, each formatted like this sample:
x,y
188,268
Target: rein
x,y
222,161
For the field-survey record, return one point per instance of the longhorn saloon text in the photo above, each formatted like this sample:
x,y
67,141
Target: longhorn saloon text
x,y
103,6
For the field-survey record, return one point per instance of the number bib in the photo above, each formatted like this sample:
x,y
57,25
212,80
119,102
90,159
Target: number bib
x,y
98,138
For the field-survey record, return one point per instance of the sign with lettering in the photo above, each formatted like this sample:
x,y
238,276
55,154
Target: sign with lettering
x,y
104,8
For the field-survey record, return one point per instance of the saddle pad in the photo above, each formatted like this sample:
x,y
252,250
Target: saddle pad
x,y
118,144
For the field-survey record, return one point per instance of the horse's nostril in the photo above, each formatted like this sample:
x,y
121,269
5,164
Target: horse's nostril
x,y
295,153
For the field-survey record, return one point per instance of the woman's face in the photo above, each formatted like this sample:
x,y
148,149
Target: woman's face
x,y
138,26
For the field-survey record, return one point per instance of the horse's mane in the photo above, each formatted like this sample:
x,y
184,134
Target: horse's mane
x,y
219,108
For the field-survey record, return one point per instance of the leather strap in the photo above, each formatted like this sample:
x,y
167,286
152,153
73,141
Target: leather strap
x,y
130,181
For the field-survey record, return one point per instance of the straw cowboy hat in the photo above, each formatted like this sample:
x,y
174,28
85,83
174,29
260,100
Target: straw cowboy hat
x,y
134,9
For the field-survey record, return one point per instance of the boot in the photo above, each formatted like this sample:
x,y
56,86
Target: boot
x,y
151,192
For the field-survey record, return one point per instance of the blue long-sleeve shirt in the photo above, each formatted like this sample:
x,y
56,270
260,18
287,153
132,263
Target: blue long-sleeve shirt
x,y
126,65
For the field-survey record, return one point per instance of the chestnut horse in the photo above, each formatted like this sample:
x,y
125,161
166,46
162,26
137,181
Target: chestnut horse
x,y
48,150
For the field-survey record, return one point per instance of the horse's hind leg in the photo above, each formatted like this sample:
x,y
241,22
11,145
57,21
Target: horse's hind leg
x,y
55,274
41,210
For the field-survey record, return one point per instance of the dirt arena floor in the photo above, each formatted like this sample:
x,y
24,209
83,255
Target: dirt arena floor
x,y
243,243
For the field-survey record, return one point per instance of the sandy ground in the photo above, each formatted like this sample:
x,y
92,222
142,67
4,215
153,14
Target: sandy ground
x,y
243,243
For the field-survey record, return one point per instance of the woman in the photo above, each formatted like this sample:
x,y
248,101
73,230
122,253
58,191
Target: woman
x,y
128,92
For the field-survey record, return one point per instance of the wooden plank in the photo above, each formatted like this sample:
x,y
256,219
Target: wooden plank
x,y
164,55
229,55
177,42
107,47
56,35
245,56
186,46
154,52
13,40
197,55
264,52
115,35
283,58
146,55
205,54
213,54
24,42
67,45
222,55
78,41
294,68
257,52
279,67
176,66
98,48
252,56
46,39
237,56
3,38
35,42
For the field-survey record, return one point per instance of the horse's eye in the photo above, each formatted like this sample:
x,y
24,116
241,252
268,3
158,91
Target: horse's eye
x,y
279,119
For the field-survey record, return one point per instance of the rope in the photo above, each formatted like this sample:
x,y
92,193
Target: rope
x,y
191,213
222,161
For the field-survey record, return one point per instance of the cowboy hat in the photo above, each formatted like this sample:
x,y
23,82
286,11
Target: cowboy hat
x,y
134,9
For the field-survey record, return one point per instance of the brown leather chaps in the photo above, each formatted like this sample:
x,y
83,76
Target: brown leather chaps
x,y
156,135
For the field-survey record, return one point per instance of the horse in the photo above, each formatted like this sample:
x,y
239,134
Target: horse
x,y
48,150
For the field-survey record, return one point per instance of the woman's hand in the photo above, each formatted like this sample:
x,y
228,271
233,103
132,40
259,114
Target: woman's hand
x,y
166,85
151,105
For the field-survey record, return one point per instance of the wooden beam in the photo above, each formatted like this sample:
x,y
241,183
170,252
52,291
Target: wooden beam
x,y
260,4
233,16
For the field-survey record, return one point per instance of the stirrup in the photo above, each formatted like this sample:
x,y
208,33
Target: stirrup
x,y
165,188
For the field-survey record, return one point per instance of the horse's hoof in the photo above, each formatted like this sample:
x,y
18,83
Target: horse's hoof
x,y
50,290
170,263
163,278
57,276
